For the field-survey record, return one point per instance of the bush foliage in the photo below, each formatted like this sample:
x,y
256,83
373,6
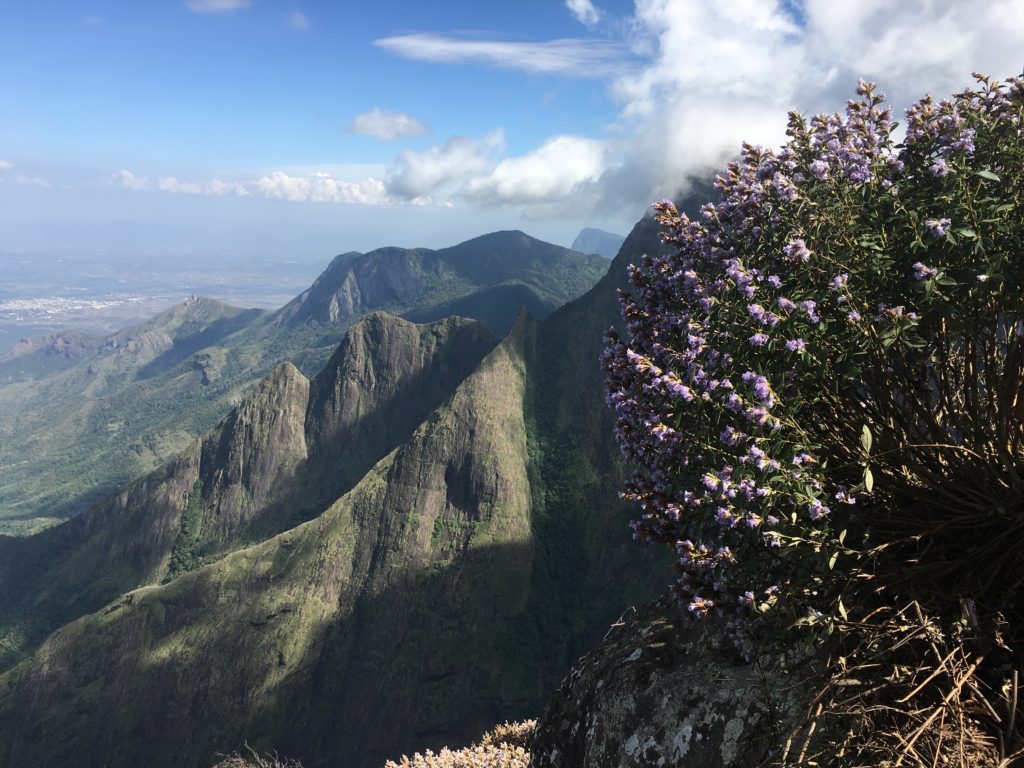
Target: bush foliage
x,y
822,388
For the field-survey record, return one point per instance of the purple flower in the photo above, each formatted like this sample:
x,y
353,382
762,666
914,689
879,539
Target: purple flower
x,y
699,607
922,272
939,169
819,169
937,227
816,509
774,281
809,309
759,339
797,250
785,304
853,316
839,281
796,345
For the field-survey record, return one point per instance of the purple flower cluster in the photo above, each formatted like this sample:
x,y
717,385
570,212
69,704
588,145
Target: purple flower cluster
x,y
710,381
937,227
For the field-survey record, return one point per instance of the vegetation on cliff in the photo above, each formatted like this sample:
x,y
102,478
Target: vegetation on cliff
x,y
821,391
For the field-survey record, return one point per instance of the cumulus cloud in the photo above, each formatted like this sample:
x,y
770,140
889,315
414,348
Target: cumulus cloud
x,y
419,175
578,58
128,180
321,188
298,20
698,78
217,6
171,184
584,11
387,125
556,171
721,73
6,165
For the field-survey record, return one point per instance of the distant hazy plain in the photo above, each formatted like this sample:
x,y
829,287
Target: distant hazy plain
x,y
41,294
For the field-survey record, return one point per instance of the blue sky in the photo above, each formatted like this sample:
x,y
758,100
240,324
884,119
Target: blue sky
x,y
317,127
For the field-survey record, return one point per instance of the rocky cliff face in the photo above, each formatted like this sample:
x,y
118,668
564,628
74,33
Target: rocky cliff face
x,y
661,691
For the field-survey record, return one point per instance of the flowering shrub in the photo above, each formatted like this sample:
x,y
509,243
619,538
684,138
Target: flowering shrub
x,y
829,365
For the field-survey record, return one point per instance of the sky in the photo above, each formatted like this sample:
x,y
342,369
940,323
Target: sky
x,y
306,128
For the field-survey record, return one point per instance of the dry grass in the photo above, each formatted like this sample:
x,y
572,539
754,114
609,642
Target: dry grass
x,y
255,760
901,693
507,746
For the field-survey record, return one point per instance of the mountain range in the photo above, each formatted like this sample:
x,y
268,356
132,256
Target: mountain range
x,y
81,416
394,554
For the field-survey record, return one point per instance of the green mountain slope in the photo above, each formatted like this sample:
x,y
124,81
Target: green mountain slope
x,y
72,431
423,284
450,588
280,457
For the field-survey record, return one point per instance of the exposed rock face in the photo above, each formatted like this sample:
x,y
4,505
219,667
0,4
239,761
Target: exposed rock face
x,y
658,691
384,379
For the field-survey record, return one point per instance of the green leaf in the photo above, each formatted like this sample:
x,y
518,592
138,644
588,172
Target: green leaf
x,y
869,479
832,560
967,232
842,609
842,536
987,175
865,440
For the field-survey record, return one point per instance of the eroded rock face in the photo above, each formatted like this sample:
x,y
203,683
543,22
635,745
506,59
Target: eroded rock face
x,y
661,691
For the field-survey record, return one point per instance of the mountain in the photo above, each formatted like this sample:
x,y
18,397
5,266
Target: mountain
x,y
290,446
424,284
72,430
445,581
591,240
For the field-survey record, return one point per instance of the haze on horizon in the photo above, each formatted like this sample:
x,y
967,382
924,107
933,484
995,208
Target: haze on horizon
x,y
303,129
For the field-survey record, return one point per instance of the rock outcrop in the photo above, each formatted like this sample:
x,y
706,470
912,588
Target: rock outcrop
x,y
663,691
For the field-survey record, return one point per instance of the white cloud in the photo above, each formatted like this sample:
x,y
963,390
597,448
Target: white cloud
x,y
217,6
419,175
128,180
6,165
26,181
720,73
321,188
219,187
171,184
560,168
387,125
578,58
298,20
700,78
584,11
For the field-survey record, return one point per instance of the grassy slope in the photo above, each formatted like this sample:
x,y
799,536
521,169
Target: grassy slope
x,y
249,478
234,651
